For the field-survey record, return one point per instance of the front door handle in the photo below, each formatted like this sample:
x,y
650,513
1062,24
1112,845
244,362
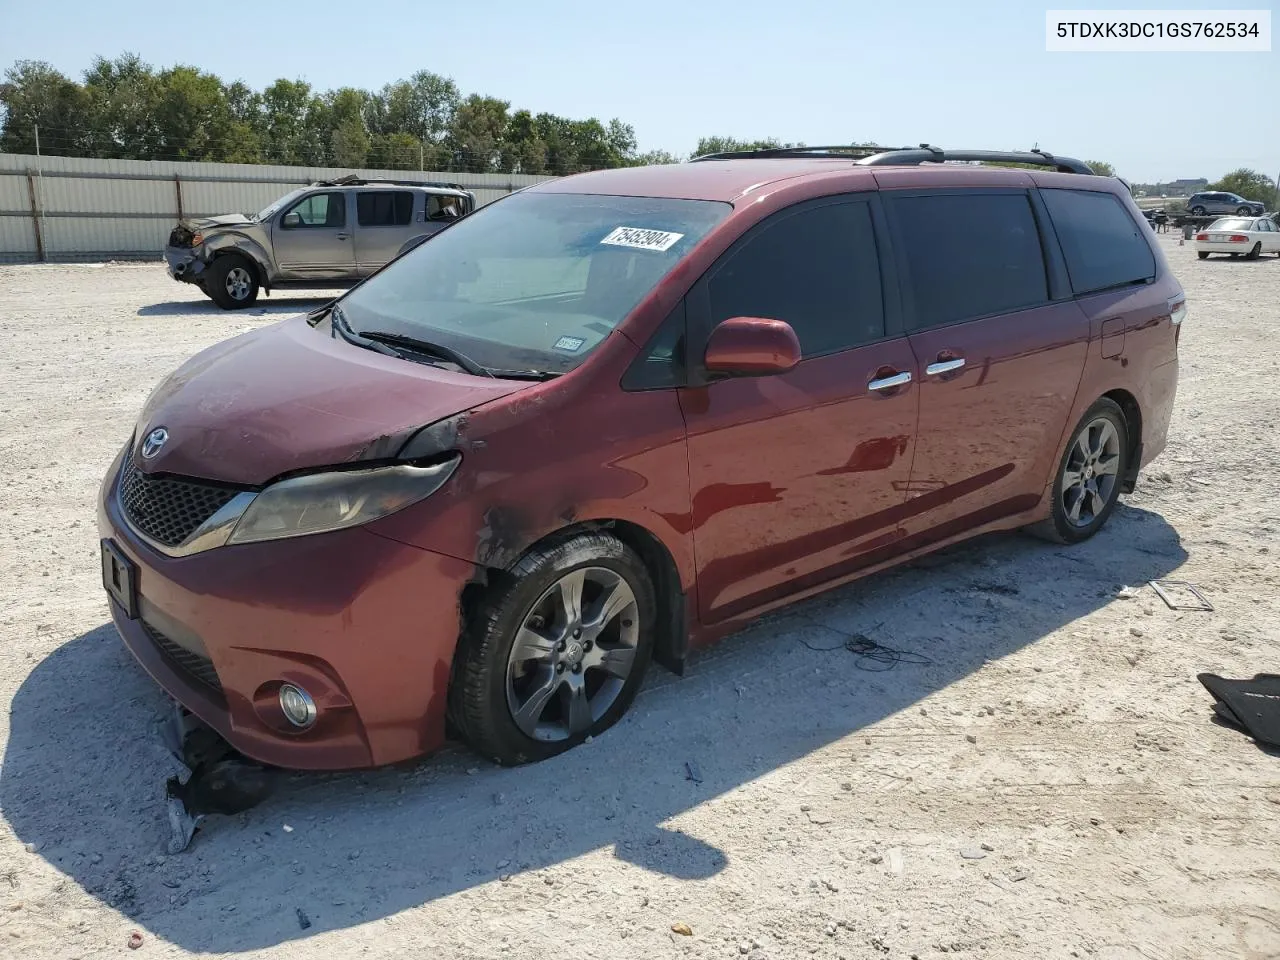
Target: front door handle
x,y
344,236
944,366
888,383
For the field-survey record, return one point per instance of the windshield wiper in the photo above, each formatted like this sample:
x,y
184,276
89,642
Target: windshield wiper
x,y
426,347
523,374
339,325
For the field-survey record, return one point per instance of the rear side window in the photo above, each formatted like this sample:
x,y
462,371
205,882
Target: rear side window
x,y
384,208
442,206
970,255
816,269
1100,240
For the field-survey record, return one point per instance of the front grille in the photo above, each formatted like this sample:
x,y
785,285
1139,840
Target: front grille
x,y
194,665
169,509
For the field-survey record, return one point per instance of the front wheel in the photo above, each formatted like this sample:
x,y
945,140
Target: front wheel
x,y
556,654
1087,486
1244,212
232,282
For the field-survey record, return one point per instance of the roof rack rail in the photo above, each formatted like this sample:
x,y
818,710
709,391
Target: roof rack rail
x,y
774,153
351,180
927,153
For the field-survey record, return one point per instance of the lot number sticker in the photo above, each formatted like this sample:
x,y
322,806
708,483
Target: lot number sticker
x,y
571,344
642,239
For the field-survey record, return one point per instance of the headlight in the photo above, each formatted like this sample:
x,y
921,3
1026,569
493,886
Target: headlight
x,y
321,502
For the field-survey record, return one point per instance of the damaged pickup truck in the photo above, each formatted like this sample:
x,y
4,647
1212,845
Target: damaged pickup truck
x,y
333,233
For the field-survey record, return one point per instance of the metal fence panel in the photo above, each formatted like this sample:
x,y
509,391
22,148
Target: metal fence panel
x,y
100,209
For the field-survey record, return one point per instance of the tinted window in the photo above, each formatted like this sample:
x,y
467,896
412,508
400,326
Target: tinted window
x,y
384,208
1100,240
816,269
662,364
321,210
970,255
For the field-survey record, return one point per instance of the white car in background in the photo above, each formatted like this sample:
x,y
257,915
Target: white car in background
x,y
1249,237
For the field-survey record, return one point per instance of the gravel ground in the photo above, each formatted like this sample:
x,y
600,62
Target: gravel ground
x,y
1048,783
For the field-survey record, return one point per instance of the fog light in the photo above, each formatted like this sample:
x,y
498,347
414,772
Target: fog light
x,y
297,706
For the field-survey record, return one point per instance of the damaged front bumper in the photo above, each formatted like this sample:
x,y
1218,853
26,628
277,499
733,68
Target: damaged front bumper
x,y
185,264
364,624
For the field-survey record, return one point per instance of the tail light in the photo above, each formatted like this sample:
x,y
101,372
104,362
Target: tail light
x,y
1202,236
1238,238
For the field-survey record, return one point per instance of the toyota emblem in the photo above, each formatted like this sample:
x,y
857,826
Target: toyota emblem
x,y
153,442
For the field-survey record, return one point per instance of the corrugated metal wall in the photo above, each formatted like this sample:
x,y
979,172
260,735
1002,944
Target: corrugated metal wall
x,y
118,209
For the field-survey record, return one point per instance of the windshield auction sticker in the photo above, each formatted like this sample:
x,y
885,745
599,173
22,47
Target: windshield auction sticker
x,y
642,239
1145,31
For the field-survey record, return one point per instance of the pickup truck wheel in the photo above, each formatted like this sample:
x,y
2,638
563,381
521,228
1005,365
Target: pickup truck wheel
x,y
232,282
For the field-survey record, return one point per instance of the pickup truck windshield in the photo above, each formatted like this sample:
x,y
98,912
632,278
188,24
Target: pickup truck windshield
x,y
277,204
535,281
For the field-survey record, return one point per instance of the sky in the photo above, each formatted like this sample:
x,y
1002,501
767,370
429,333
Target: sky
x,y
957,74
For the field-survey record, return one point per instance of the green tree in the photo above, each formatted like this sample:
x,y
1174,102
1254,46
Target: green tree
x,y
478,129
395,151
192,116
1101,168
732,145
1249,184
350,143
522,148
35,94
652,157
124,96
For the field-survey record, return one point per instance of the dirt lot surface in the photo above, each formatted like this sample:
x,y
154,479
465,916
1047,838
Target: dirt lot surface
x,y
1048,784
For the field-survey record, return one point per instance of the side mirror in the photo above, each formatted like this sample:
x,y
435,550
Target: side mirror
x,y
291,220
752,347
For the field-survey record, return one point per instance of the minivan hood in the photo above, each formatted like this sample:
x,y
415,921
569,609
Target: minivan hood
x,y
288,397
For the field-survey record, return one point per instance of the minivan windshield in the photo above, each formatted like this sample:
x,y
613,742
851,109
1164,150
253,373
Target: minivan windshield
x,y
535,281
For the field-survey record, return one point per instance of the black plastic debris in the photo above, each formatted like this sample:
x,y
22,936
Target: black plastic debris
x,y
1251,706
222,780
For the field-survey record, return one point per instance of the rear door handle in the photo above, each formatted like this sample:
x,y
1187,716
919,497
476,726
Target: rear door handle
x,y
944,366
888,383
344,236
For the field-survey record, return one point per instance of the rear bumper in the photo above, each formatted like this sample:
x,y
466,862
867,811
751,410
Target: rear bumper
x,y
365,624
1159,393
1208,246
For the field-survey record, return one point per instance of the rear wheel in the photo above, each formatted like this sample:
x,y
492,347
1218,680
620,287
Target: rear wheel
x,y
1255,253
557,654
1197,211
1203,255
1087,486
232,282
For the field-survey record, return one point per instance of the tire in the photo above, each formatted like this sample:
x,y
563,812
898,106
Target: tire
x,y
516,710
1245,212
1202,255
1062,527
1255,253
1197,211
232,282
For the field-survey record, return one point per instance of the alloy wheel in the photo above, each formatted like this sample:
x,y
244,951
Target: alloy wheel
x,y
238,283
572,654
1091,473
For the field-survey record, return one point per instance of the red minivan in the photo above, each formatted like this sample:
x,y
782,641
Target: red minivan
x,y
614,416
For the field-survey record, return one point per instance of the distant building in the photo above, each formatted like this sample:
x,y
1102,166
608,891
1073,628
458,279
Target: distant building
x,y
1189,186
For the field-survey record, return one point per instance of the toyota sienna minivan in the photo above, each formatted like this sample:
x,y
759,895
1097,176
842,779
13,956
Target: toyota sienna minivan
x,y
614,416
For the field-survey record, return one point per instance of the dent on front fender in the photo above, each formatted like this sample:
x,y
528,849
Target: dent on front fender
x,y
238,243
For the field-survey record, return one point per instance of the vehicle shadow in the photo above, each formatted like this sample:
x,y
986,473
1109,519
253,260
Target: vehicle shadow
x,y
83,774
204,307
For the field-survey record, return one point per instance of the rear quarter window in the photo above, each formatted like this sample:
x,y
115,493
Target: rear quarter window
x,y
1101,242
